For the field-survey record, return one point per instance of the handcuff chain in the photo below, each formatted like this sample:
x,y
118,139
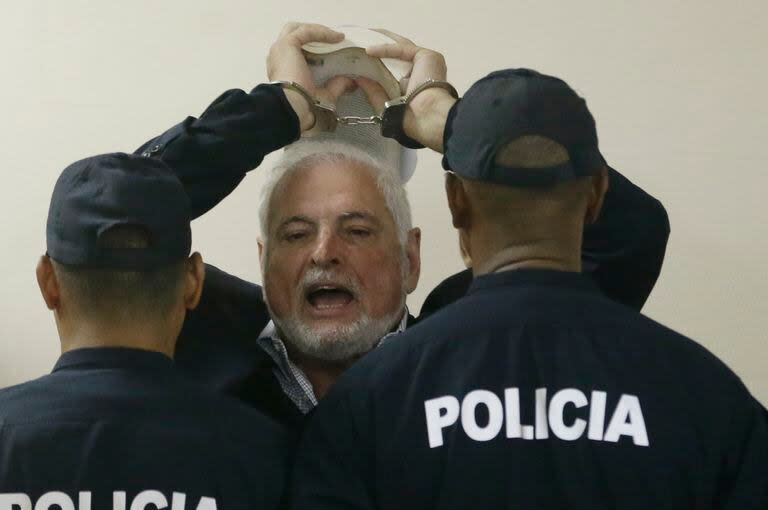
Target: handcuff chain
x,y
351,120
327,118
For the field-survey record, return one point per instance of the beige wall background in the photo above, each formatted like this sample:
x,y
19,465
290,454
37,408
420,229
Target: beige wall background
x,y
678,89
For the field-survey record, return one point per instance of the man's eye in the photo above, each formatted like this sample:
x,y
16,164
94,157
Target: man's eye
x,y
359,232
294,236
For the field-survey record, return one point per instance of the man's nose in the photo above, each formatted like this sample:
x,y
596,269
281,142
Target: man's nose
x,y
327,250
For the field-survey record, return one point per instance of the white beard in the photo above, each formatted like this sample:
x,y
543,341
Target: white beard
x,y
340,342
337,342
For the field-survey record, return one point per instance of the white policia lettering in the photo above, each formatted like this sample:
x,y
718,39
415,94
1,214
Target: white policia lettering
x,y
143,500
626,420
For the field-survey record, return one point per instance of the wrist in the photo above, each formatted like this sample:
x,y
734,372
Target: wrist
x,y
425,117
302,108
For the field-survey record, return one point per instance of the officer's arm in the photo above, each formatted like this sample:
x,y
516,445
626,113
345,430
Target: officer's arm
x,y
624,249
330,470
212,154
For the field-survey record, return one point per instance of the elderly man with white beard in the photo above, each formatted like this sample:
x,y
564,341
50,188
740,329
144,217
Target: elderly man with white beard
x,y
339,257
338,252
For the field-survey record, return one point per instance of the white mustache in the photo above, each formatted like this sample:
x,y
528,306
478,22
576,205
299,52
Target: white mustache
x,y
316,275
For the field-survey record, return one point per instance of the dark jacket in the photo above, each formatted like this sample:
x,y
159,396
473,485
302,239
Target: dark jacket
x,y
622,252
116,420
536,391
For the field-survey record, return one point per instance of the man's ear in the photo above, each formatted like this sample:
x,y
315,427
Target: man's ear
x,y
457,201
194,278
262,263
464,248
48,283
413,253
260,245
598,189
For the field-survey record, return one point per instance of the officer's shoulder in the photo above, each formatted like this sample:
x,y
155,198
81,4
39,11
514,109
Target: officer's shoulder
x,y
13,394
690,350
693,364
18,400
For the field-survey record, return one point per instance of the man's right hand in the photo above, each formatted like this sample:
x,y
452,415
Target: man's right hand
x,y
426,114
286,62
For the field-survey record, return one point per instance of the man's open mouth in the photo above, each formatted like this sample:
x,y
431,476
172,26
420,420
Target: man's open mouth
x,y
327,296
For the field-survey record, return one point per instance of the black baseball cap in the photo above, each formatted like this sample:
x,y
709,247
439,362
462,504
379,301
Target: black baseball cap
x,y
509,104
96,194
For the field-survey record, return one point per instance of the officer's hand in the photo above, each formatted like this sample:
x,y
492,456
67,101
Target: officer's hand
x,y
286,62
425,117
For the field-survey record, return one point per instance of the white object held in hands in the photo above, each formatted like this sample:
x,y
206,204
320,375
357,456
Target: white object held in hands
x,y
349,58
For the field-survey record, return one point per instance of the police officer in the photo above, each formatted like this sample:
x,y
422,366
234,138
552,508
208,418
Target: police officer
x,y
114,425
220,341
534,391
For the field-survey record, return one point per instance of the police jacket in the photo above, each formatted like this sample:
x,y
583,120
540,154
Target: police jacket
x,y
623,251
536,391
121,428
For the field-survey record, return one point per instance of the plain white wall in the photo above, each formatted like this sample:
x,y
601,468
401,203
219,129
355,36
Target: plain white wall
x,y
678,89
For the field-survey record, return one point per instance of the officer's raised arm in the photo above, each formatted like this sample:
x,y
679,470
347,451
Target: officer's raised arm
x,y
211,154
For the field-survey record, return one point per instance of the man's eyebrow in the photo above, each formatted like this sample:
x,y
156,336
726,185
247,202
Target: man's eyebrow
x,y
359,215
295,219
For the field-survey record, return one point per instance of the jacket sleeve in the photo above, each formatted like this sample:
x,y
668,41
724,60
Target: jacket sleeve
x,y
211,154
624,249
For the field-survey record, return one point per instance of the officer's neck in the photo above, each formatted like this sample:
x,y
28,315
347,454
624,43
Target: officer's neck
x,y
558,252
148,337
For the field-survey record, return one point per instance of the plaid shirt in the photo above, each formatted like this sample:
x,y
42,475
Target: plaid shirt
x,y
292,379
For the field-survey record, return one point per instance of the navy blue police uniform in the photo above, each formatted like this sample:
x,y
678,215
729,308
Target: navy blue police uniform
x,y
118,427
623,251
535,390
114,424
